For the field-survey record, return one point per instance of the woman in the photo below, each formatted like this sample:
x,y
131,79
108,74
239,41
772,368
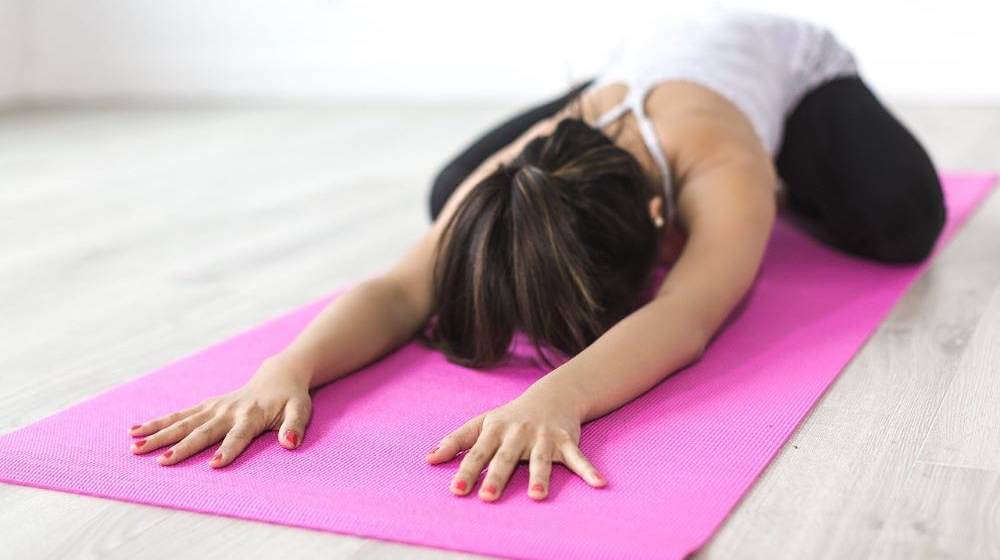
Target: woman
x,y
551,223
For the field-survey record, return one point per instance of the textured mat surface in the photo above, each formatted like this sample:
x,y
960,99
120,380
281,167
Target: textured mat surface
x,y
677,459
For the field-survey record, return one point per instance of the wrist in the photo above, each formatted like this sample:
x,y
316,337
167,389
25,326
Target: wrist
x,y
287,366
560,387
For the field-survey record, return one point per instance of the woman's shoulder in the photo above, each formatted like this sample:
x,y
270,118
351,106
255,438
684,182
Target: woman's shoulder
x,y
695,121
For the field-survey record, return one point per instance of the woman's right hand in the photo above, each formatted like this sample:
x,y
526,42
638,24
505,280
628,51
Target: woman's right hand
x,y
275,398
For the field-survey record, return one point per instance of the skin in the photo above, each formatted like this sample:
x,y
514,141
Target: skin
x,y
726,200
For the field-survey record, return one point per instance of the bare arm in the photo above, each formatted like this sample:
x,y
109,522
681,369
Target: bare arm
x,y
368,321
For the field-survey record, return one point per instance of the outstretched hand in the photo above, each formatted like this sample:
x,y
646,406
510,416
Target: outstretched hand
x,y
275,398
538,427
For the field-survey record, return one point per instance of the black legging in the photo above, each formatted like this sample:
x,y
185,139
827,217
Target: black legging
x,y
854,175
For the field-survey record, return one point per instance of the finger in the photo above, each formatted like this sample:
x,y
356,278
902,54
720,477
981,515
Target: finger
x,y
293,428
199,438
457,441
473,462
573,458
540,470
158,424
236,441
502,465
170,434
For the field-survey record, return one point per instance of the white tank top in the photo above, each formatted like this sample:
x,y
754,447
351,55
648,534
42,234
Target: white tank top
x,y
762,63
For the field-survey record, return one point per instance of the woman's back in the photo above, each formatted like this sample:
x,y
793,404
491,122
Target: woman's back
x,y
759,62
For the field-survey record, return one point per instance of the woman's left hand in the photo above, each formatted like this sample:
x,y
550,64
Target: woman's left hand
x,y
539,426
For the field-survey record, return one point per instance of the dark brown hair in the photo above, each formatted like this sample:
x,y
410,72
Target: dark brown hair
x,y
557,244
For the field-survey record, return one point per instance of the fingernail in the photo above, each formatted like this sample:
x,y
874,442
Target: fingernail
x,y
433,451
599,478
292,437
538,488
168,453
136,427
139,442
217,457
461,485
490,489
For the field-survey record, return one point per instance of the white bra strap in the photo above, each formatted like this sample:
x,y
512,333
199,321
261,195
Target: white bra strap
x,y
634,100
611,114
653,146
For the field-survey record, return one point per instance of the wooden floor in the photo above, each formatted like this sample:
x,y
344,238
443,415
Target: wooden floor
x,y
130,237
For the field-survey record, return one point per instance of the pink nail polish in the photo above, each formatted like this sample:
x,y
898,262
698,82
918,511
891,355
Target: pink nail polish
x,y
139,442
461,486
538,488
490,489
136,427
168,453
599,478
292,437
217,458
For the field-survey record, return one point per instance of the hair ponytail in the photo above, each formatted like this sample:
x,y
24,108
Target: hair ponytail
x,y
553,280
557,244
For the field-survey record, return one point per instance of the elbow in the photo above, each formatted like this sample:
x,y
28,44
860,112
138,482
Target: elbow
x,y
696,349
688,336
405,312
697,343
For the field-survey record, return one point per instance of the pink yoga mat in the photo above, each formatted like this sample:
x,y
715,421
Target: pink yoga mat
x,y
677,459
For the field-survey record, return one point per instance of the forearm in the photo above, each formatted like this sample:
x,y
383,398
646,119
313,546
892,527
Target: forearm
x,y
628,359
368,321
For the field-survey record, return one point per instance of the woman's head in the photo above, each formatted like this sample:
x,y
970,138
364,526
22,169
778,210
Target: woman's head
x,y
557,244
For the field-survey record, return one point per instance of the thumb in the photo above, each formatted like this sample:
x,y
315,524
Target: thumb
x,y
454,443
293,427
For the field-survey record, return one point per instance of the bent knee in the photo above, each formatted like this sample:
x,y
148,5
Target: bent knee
x,y
909,231
911,246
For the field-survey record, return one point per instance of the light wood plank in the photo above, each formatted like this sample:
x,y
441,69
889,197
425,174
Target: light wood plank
x,y
966,428
945,512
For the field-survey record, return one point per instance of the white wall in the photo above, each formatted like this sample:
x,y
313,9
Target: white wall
x,y
318,50
12,44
